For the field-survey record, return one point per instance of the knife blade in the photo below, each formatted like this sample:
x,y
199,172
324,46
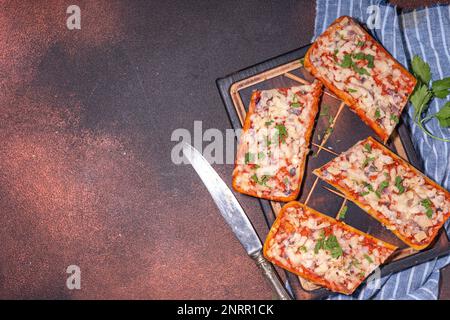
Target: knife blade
x,y
235,217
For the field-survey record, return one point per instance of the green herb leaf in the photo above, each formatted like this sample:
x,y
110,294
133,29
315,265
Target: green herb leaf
x,y
261,181
366,162
343,212
399,185
282,132
419,99
370,58
443,116
360,43
394,118
351,90
426,203
368,147
324,110
268,123
347,61
368,258
302,248
261,155
441,88
377,113
359,70
421,70
333,246
295,105
359,56
383,185
320,243
422,95
249,157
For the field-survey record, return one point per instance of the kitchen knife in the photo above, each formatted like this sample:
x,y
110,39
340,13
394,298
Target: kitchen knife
x,y
235,216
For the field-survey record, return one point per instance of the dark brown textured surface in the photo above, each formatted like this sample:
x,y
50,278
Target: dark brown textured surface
x,y
85,170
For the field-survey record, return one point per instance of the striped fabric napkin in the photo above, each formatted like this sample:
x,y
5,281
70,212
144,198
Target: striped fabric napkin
x,y
424,32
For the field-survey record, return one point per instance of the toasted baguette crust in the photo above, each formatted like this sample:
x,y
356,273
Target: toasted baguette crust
x,y
377,215
348,99
315,105
309,276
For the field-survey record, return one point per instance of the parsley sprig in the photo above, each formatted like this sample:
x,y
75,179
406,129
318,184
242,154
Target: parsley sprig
x,y
423,94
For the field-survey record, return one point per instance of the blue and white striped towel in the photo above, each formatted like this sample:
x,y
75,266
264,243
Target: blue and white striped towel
x,y
424,33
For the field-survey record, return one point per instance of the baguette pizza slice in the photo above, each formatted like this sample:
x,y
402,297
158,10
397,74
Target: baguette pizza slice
x,y
391,190
272,150
356,68
323,250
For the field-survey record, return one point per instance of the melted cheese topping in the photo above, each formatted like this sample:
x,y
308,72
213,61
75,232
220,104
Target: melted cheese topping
x,y
296,246
352,61
410,204
272,151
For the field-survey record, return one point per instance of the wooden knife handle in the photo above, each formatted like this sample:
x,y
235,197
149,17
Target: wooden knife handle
x,y
271,275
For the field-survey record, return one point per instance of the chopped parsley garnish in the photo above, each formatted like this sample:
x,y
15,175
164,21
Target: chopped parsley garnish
x,y
295,103
331,244
368,258
381,187
398,184
394,118
370,59
343,212
268,123
325,110
302,248
368,147
360,43
249,157
369,188
282,132
352,90
360,70
320,242
328,131
261,181
359,56
426,203
347,62
366,161
261,155
377,113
